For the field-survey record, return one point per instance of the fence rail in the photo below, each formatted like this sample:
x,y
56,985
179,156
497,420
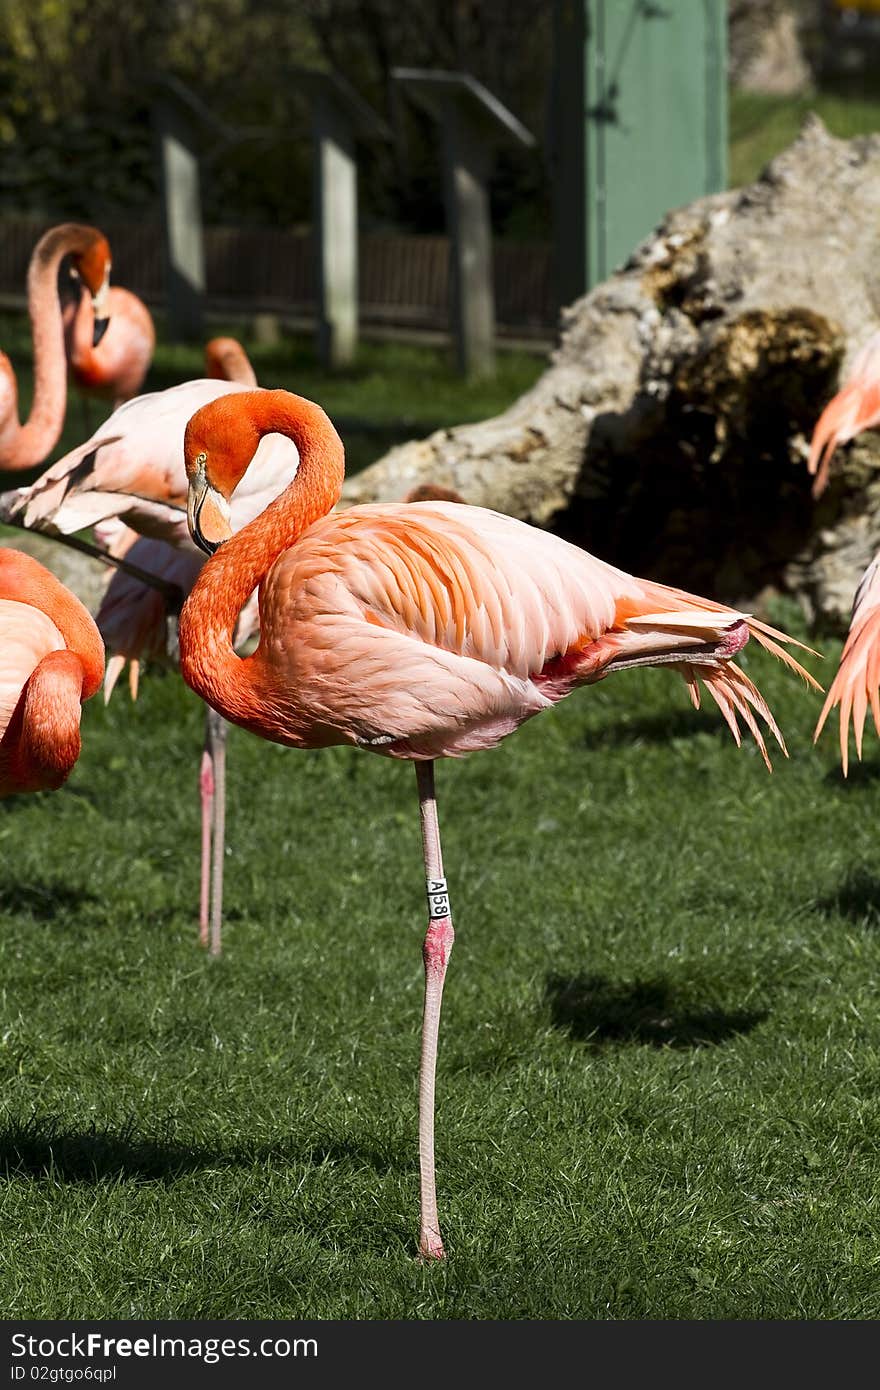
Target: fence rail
x,y
404,280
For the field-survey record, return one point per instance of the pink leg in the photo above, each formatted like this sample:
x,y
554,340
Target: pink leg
x,y
217,730
206,790
436,951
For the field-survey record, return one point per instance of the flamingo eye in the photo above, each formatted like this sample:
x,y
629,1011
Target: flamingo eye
x,y
202,457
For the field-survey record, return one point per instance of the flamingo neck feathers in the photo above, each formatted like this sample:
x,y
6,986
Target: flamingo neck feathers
x,y
208,661
23,445
27,581
41,743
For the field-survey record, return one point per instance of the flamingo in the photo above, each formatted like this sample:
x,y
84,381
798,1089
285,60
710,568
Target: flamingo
x,y
116,366
855,408
25,445
417,631
51,660
131,469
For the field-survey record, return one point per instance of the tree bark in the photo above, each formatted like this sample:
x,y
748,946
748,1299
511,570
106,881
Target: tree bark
x,y
669,431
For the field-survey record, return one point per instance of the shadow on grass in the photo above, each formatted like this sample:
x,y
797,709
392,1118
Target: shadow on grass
x,y
861,774
857,898
652,728
45,901
595,1010
41,1147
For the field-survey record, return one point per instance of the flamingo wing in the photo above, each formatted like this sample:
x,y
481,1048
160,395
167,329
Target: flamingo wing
x,y
434,629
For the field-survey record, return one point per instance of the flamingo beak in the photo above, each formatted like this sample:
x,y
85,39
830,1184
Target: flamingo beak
x,y
207,514
99,300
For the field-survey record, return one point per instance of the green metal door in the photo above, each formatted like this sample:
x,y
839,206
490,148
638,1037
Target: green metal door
x,y
640,124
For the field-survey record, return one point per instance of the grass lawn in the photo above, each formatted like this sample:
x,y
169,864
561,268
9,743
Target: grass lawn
x,y
761,125
660,1053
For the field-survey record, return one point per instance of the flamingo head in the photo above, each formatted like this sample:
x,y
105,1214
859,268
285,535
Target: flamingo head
x,y
92,265
219,443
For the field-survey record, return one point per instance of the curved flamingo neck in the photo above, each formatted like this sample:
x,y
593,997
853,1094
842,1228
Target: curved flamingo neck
x,y
27,581
79,323
23,445
207,622
41,743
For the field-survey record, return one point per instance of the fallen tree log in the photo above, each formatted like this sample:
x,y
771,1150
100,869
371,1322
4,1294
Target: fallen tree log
x,y
670,429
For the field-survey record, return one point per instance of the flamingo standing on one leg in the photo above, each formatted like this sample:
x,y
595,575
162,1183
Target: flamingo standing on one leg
x,y
132,469
115,367
25,445
51,660
855,408
417,632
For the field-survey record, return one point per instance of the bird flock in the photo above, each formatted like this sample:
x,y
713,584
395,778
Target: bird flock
x,y
413,630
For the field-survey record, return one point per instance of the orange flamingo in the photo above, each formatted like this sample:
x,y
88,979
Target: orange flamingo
x,y
25,445
855,408
417,631
51,660
113,367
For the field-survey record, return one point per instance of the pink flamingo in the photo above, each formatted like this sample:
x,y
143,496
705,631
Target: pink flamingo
x,y
131,469
25,445
115,366
51,660
417,631
855,408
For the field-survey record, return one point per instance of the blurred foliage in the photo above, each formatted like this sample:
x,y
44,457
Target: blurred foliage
x,y
77,77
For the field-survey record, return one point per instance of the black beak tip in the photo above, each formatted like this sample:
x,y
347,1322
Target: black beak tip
x,y
101,326
209,547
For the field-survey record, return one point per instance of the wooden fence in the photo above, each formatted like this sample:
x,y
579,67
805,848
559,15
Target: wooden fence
x,y
404,280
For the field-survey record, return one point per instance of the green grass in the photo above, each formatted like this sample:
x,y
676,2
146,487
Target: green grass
x,y
660,1051
761,125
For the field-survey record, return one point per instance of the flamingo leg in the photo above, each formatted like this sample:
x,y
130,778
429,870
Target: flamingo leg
x,y
436,950
217,731
206,791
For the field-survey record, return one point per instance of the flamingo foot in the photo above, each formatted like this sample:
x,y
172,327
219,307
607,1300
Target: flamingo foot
x,y
431,1246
